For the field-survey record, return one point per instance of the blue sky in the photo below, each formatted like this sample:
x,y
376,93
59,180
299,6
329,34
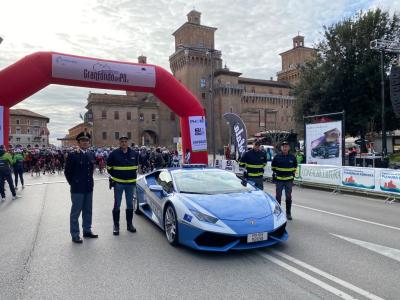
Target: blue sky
x,y
251,34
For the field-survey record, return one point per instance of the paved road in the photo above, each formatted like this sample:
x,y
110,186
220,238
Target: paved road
x,y
340,246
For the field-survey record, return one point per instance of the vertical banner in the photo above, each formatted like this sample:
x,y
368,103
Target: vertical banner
x,y
198,136
2,125
238,130
324,143
362,178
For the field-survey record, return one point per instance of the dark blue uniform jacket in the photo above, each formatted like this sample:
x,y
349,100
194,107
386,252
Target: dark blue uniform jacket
x,y
79,171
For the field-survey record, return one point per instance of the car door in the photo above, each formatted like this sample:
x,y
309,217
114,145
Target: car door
x,y
157,199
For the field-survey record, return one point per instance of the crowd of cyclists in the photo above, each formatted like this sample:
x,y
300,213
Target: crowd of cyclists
x,y
41,161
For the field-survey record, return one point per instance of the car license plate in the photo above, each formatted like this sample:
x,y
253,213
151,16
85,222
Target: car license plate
x,y
257,237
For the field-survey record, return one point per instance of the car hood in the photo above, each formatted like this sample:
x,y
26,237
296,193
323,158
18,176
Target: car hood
x,y
233,206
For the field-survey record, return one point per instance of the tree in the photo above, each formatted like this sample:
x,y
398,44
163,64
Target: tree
x,y
345,73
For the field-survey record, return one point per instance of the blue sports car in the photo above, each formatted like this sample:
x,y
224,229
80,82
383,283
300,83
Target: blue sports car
x,y
209,209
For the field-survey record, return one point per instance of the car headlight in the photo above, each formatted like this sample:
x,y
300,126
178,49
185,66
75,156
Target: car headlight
x,y
204,217
277,209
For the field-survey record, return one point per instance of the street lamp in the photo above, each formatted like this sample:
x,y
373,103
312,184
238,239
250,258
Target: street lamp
x,y
384,46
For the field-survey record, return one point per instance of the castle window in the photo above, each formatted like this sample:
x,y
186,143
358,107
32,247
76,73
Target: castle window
x,y
116,134
153,117
128,115
104,135
141,117
203,95
202,83
116,115
129,135
104,114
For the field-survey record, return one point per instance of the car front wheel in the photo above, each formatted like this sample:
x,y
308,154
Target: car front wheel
x,y
171,225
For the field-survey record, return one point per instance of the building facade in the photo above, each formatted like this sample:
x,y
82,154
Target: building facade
x,y
28,129
262,104
70,139
139,116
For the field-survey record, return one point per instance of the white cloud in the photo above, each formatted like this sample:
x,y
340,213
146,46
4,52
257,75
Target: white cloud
x,y
251,34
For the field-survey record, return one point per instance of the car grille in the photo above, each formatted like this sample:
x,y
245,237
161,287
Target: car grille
x,y
210,239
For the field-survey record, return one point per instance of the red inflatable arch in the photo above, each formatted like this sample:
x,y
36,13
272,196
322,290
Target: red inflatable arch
x,y
36,71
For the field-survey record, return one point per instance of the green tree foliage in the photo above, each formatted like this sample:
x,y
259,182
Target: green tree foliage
x,y
345,74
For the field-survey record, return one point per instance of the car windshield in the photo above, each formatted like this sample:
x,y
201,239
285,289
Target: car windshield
x,y
211,181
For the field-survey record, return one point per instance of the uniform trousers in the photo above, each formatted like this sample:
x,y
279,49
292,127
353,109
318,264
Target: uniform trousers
x,y
81,202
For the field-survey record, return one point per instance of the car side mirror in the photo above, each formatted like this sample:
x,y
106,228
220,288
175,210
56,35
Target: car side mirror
x,y
156,188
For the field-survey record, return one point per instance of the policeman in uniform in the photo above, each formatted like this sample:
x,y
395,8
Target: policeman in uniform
x,y
284,166
254,161
122,165
79,170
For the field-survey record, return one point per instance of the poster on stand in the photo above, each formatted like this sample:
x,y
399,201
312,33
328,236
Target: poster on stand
x,y
324,143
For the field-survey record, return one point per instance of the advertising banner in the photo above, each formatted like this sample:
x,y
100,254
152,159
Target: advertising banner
x,y
93,70
324,143
320,174
361,178
1,125
218,164
239,132
389,181
198,136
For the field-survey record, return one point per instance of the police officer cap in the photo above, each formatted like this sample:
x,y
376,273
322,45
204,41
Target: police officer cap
x,y
83,135
285,143
123,137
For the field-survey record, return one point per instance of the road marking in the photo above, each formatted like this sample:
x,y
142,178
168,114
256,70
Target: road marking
x,y
310,278
326,275
348,217
382,250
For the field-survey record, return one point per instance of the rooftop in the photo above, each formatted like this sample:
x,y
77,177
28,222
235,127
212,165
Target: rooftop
x,y
27,113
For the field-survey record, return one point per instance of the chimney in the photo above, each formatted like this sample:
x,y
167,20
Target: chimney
x,y
142,59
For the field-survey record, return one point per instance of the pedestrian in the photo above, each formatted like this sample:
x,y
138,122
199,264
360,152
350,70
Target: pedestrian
x,y
5,173
18,166
79,168
187,156
299,156
284,166
122,165
158,159
254,161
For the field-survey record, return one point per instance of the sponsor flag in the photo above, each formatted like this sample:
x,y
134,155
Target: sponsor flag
x,y
238,130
